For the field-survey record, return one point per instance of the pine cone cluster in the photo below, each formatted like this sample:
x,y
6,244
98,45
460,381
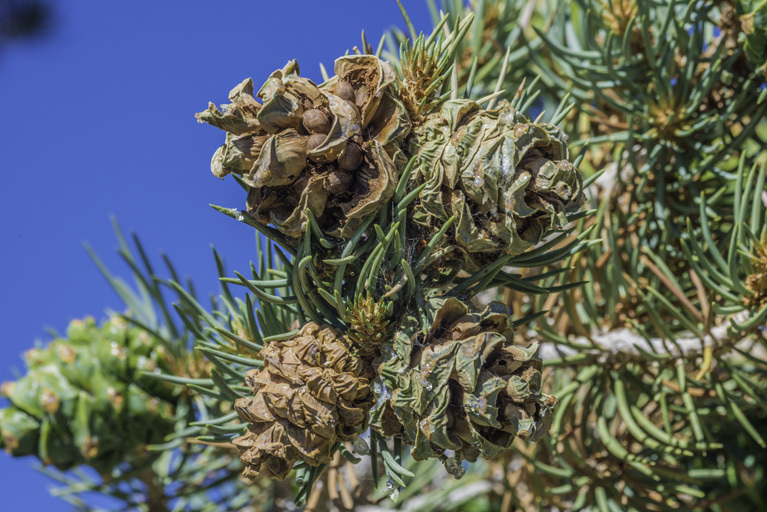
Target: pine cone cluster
x,y
506,180
330,148
340,150
85,400
311,394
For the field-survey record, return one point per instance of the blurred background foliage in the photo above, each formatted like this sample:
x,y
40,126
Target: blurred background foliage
x,y
24,19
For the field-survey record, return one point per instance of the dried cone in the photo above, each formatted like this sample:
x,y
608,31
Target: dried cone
x,y
312,393
464,387
506,180
333,148
86,401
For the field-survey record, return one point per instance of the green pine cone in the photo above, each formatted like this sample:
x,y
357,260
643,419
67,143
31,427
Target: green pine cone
x,y
85,400
463,387
333,148
506,180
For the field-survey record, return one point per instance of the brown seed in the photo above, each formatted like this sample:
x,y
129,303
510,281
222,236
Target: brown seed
x,y
361,95
345,91
314,141
338,181
351,157
316,122
354,108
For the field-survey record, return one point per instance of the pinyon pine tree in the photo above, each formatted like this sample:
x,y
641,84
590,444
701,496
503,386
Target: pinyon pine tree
x,y
449,309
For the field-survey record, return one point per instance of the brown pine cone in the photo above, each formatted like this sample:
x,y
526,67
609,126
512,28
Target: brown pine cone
x,y
312,393
464,387
332,148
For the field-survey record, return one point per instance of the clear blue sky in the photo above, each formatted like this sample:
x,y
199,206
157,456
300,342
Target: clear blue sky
x,y
98,121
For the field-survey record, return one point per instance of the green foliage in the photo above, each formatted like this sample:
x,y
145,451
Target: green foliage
x,y
753,20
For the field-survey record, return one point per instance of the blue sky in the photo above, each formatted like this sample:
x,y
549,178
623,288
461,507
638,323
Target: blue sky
x,y
99,121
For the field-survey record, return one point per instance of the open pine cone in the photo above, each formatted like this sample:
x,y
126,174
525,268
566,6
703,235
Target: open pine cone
x,y
507,180
464,387
312,393
331,148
